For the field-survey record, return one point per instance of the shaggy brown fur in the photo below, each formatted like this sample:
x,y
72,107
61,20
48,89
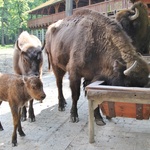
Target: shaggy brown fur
x,y
139,28
17,90
92,46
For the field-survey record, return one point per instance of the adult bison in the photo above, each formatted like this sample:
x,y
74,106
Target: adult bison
x,y
135,22
28,60
92,46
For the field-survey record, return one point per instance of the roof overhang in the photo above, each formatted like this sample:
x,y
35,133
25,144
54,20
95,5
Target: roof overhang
x,y
44,5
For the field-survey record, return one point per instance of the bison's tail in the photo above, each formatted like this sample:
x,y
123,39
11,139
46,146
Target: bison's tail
x,y
49,61
48,54
85,83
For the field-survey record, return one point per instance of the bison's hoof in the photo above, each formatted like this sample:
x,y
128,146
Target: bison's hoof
x,y
65,103
22,134
14,144
61,109
32,119
1,128
23,119
74,119
100,122
107,117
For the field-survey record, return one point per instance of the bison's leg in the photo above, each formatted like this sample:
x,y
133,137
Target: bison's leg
x,y
21,133
31,111
59,73
1,127
24,114
98,118
75,89
14,111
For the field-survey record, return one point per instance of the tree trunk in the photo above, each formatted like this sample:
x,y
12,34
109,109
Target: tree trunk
x,y
2,29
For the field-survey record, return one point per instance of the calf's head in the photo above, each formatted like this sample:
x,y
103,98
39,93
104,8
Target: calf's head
x,y
34,87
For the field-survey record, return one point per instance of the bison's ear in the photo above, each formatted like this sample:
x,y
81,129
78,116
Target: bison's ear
x,y
17,44
118,66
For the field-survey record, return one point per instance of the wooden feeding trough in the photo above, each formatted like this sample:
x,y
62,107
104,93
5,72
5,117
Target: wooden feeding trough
x,y
132,102
115,101
130,110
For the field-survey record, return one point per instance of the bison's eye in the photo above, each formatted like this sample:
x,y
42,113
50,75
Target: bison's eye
x,y
34,87
25,57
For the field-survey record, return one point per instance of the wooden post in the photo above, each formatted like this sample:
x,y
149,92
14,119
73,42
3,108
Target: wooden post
x,y
69,7
89,2
91,121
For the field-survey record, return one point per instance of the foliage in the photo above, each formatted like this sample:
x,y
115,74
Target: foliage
x,y
6,47
13,18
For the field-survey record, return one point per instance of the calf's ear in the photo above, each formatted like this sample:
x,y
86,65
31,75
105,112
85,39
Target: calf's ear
x,y
25,79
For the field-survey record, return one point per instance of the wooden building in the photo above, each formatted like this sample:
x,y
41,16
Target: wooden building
x,y
52,10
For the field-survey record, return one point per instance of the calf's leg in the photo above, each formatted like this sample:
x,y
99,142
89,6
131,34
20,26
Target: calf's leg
x,y
21,133
1,127
16,122
31,111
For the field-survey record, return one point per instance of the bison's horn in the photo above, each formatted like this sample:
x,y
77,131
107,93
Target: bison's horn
x,y
133,17
17,44
43,45
127,71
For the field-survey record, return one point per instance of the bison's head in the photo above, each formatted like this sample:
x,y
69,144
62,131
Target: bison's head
x,y
135,22
135,74
34,87
31,59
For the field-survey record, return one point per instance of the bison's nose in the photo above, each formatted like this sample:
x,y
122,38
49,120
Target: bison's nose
x,y
43,96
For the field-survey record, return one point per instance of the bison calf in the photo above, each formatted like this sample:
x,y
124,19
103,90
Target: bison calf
x,y
17,90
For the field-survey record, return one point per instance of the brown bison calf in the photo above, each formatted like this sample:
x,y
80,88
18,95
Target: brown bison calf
x,y
17,90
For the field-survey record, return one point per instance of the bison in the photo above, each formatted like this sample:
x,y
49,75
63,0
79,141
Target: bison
x,y
17,90
135,22
28,60
90,45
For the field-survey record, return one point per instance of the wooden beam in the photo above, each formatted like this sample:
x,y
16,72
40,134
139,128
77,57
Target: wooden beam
x,y
76,1
57,7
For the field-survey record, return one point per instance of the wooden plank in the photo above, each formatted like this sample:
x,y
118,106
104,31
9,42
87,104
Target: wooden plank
x,y
96,86
117,96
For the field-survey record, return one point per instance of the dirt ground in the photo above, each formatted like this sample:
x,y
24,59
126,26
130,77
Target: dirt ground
x,y
53,130
6,59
